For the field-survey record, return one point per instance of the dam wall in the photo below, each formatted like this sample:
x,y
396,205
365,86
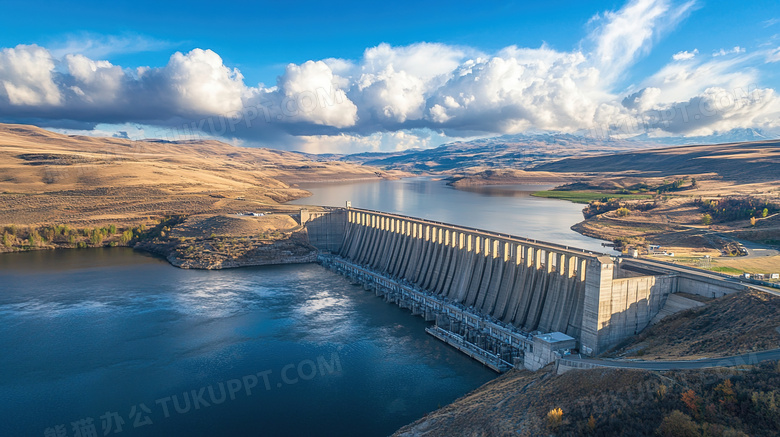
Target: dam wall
x,y
527,286
326,228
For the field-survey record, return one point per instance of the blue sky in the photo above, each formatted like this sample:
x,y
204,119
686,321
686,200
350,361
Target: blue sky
x,y
389,75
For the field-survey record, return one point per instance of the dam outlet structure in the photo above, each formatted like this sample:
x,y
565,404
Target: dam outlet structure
x,y
504,300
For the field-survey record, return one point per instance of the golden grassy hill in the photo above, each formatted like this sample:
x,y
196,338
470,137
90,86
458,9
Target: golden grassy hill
x,y
47,177
736,162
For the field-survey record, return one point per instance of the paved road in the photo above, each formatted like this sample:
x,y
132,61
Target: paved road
x,y
737,360
755,250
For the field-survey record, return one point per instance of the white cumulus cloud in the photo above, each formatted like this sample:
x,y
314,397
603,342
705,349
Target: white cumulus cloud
x,y
685,55
406,96
26,76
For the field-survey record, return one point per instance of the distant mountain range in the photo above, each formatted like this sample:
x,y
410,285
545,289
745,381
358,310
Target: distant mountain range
x,y
740,135
507,151
524,150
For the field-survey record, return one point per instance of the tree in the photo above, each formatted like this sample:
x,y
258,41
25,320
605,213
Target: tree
x,y
622,212
706,219
661,392
7,240
678,424
727,394
752,221
126,236
765,212
691,401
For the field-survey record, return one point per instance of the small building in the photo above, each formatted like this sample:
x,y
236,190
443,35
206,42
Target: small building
x,y
654,249
759,276
546,349
746,275
774,276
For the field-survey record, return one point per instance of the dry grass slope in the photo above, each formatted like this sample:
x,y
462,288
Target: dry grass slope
x,y
731,325
740,162
52,178
614,402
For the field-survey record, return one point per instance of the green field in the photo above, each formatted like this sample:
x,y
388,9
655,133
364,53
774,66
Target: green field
x,y
728,270
587,196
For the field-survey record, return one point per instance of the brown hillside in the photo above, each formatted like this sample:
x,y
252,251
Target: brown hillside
x,y
738,162
730,325
47,177
614,402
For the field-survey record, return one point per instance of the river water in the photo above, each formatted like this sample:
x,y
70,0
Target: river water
x,y
125,343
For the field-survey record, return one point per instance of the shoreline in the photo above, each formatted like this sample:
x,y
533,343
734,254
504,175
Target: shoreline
x,y
271,254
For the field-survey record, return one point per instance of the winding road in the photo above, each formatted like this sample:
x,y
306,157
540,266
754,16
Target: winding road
x,y
706,363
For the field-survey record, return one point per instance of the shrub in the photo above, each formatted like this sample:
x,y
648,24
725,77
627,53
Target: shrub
x,y
112,229
7,240
48,233
591,423
555,418
706,219
752,221
623,211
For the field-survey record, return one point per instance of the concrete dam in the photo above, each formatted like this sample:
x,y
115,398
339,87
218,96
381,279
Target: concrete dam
x,y
504,300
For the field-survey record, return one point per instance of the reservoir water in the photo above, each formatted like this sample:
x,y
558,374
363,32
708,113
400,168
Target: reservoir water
x,y
122,343
507,208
